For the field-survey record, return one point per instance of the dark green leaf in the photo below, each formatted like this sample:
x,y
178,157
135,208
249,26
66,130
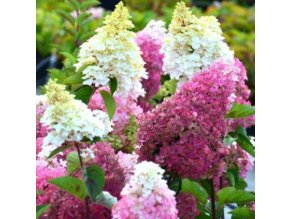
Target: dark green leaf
x,y
72,162
94,178
106,199
242,213
66,16
232,195
58,150
109,103
88,4
84,94
206,185
113,85
74,79
71,185
194,188
202,215
241,183
233,175
40,210
174,185
243,140
245,143
231,179
240,111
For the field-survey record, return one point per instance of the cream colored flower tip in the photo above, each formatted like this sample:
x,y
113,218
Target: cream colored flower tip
x,y
118,20
192,44
56,93
113,53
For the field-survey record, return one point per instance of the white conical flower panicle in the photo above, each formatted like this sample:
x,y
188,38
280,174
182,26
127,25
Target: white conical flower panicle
x,y
112,53
69,119
192,44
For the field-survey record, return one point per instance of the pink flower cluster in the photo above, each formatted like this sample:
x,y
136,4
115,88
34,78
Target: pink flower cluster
x,y
146,196
242,95
236,156
184,134
150,40
127,162
43,175
186,206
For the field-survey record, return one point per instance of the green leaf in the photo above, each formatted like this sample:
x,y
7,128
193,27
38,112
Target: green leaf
x,y
241,184
74,79
69,56
74,4
82,18
113,83
106,199
244,141
242,213
57,74
231,179
240,111
202,215
94,178
109,103
66,16
87,35
40,210
194,188
88,4
58,150
232,195
84,94
72,162
224,194
71,185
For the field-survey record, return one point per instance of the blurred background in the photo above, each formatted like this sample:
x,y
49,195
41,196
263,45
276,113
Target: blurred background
x,y
237,18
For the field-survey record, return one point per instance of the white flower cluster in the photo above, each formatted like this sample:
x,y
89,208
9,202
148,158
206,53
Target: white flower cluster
x,y
192,44
155,30
147,178
113,53
87,154
69,119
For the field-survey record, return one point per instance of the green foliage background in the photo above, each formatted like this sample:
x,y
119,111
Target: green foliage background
x,y
237,22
